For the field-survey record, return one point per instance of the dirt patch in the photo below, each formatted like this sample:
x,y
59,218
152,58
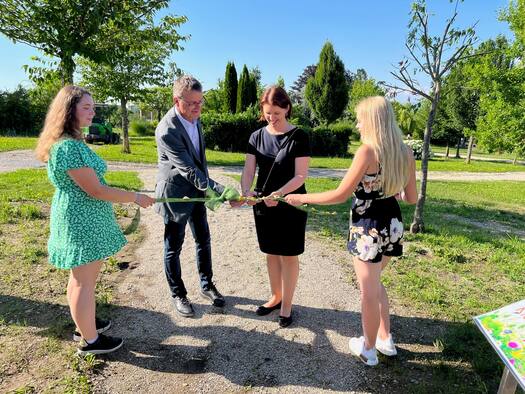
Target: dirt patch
x,y
489,226
36,350
233,350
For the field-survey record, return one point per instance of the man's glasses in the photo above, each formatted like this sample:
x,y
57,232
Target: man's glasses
x,y
193,103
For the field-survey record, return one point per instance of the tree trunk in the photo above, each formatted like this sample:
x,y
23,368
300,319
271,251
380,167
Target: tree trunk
x,y
457,149
418,223
469,150
67,68
447,152
125,136
515,161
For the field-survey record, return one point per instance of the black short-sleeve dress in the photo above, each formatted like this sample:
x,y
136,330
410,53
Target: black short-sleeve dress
x,y
280,229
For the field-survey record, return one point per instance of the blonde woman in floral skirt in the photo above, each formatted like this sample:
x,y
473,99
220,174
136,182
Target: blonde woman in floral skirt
x,y
383,171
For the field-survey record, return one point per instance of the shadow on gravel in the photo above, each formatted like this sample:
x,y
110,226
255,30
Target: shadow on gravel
x,y
251,357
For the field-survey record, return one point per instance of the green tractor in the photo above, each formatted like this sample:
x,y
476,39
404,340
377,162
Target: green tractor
x,y
101,130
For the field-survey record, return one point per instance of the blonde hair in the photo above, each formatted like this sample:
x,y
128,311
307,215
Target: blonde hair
x,y
61,120
379,130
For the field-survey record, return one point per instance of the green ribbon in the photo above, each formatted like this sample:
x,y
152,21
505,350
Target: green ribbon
x,y
214,200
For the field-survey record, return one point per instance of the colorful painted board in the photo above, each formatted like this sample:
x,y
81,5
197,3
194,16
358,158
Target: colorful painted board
x,y
504,328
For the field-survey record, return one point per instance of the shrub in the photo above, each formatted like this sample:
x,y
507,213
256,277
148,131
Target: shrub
x,y
417,148
230,132
141,127
331,140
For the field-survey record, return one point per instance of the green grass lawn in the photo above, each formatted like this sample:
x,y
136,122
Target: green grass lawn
x,y
36,353
475,152
17,143
144,151
470,260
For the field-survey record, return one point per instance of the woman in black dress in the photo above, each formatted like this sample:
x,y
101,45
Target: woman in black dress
x,y
383,170
281,151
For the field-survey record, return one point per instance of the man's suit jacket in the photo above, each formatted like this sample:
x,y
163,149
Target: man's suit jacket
x,y
182,171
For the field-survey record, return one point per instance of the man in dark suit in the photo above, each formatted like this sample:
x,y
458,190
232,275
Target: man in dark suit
x,y
183,172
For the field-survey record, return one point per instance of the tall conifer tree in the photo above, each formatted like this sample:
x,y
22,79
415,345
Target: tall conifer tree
x,y
230,88
327,92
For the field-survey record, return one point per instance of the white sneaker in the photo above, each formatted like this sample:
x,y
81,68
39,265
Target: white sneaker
x,y
386,346
357,348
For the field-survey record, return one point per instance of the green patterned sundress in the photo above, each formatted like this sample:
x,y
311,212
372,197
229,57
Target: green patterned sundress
x,y
82,229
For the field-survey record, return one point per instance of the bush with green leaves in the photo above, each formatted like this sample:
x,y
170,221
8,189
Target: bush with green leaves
x,y
230,132
331,140
18,115
142,128
417,148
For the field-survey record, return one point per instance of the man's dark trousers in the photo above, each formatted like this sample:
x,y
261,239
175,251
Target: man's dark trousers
x,y
173,240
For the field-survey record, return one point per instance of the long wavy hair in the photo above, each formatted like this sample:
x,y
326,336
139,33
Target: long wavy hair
x,y
379,130
61,121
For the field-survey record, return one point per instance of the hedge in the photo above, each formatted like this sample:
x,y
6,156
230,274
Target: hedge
x,y
230,133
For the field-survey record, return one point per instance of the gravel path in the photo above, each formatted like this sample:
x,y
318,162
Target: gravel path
x,y
13,160
233,350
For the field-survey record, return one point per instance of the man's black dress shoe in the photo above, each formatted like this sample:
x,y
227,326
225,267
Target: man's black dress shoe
x,y
214,296
263,311
285,321
183,306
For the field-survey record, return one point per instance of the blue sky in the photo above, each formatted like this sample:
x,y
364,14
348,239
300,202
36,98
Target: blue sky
x,y
283,37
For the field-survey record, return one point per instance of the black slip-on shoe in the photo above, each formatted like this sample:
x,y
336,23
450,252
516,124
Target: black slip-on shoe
x,y
264,310
102,326
102,345
285,321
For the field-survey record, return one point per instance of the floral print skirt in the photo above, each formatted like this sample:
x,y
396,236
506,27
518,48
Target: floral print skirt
x,y
376,229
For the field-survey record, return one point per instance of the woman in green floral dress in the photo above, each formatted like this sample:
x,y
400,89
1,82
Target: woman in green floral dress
x,y
83,229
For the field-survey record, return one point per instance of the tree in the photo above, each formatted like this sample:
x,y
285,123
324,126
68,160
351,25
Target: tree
x,y
460,107
515,16
42,93
140,54
157,99
280,82
406,115
363,88
15,112
298,87
255,87
500,78
230,88
428,56
214,99
245,90
64,29
327,92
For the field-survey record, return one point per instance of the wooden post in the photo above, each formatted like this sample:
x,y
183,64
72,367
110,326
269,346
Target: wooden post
x,y
508,384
